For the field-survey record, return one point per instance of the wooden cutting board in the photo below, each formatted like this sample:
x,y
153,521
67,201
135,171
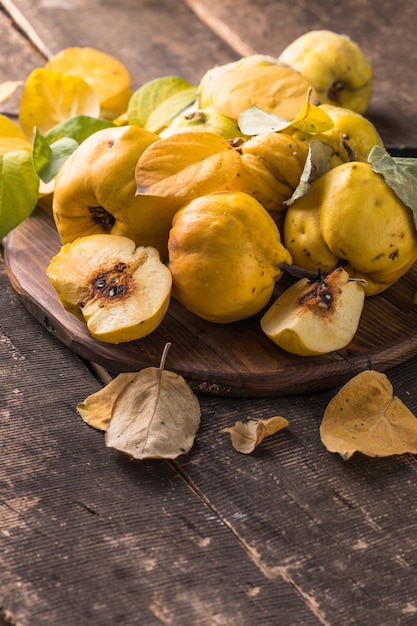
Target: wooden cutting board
x,y
229,360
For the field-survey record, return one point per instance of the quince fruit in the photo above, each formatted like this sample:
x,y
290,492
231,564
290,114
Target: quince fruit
x,y
259,81
95,191
121,291
302,234
352,137
351,215
364,222
203,120
334,65
316,317
225,253
271,167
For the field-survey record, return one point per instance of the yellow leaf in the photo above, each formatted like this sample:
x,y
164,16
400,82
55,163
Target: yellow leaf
x,y
105,74
366,417
50,97
148,414
96,410
186,165
8,88
246,436
312,120
11,136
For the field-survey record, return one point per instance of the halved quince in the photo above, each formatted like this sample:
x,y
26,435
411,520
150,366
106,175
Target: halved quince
x,y
316,317
121,291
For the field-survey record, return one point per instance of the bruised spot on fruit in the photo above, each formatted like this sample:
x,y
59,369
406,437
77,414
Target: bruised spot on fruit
x,y
111,143
394,255
102,217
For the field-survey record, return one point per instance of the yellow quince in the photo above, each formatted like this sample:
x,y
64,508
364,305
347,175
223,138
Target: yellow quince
x,y
334,65
95,191
260,81
357,219
225,253
352,137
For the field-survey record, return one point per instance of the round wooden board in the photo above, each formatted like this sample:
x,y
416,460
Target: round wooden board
x,y
229,360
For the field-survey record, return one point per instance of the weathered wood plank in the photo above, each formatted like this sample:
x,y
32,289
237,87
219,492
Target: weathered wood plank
x,y
151,38
18,58
89,537
344,533
382,32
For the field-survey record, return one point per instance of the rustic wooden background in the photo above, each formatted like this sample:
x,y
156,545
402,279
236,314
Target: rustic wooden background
x,y
289,535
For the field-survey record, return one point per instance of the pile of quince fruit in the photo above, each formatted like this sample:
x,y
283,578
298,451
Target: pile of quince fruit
x,y
209,193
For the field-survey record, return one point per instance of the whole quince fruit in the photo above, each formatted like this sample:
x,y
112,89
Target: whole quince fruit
x,y
302,234
95,191
316,317
206,120
361,221
271,167
273,87
334,65
225,253
352,137
120,291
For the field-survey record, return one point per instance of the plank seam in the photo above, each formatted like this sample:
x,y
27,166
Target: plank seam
x,y
220,28
22,24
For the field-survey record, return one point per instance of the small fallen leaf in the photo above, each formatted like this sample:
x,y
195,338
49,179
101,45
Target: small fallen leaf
x,y
246,436
96,410
146,415
8,88
366,417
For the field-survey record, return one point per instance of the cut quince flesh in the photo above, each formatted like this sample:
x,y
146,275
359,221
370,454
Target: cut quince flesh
x,y
316,317
121,291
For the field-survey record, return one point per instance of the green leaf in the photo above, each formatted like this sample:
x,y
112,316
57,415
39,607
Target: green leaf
x,y
318,162
49,158
52,150
19,187
78,127
399,173
158,101
254,121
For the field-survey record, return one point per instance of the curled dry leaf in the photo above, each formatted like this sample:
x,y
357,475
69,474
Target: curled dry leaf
x,y
149,414
366,417
246,436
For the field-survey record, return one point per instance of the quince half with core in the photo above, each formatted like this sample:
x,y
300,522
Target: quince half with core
x,y
316,317
225,253
334,65
121,291
95,191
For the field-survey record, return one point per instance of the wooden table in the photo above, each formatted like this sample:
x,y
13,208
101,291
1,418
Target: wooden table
x,y
290,534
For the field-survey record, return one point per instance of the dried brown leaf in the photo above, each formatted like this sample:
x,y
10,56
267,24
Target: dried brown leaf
x,y
96,410
156,415
246,436
366,417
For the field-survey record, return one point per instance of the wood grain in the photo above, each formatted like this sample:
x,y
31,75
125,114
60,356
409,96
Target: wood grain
x,y
230,360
